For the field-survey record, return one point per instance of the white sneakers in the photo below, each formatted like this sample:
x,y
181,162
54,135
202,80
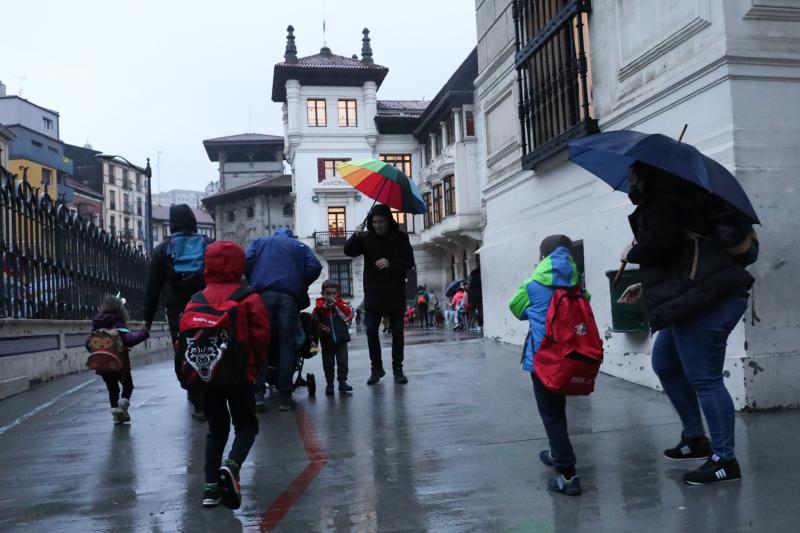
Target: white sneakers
x,y
120,413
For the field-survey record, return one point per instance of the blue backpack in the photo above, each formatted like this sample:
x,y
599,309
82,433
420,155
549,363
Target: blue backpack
x,y
186,252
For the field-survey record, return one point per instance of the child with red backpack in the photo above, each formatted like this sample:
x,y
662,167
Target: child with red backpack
x,y
224,340
562,352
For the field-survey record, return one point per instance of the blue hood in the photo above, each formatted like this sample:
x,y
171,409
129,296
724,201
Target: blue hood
x,y
282,263
283,231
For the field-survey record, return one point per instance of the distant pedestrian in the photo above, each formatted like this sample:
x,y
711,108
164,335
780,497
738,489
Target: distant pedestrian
x,y
387,258
434,308
111,338
176,273
556,268
695,293
281,268
423,299
476,296
359,313
334,317
459,305
231,370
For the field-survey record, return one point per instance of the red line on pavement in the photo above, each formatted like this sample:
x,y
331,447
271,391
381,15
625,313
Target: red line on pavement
x,y
318,459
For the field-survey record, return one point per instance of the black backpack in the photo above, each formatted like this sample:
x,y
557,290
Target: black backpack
x,y
730,230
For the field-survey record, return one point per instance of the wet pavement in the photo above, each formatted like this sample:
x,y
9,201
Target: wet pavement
x,y
454,450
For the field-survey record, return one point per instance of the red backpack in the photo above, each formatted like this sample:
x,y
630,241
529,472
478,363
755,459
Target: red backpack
x,y
209,350
570,354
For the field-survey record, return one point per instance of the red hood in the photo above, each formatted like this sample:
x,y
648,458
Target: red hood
x,y
224,262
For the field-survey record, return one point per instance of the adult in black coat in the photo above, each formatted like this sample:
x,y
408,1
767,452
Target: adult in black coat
x,y
387,258
161,285
695,294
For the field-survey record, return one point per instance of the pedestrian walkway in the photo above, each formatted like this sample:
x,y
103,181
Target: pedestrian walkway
x,y
452,451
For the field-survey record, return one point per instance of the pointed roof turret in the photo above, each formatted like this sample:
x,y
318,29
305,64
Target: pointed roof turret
x,y
366,49
291,49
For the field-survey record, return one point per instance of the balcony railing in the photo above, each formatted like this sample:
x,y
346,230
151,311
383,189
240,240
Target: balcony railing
x,y
331,238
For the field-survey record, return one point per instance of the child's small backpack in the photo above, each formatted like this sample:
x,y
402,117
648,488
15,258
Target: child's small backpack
x,y
107,352
421,299
209,350
186,252
570,354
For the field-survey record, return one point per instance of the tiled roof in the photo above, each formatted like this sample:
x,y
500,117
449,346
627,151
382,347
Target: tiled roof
x,y
161,212
401,108
328,60
326,69
245,137
274,182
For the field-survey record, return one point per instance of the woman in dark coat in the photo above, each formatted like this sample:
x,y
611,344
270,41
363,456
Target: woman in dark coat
x,y
695,294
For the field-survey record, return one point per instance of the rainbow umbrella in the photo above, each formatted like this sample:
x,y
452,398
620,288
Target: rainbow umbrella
x,y
383,183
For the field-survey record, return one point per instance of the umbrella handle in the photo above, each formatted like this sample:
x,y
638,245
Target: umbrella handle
x,y
618,277
682,132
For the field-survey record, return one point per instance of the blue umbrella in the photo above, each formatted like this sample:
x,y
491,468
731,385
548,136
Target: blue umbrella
x,y
608,156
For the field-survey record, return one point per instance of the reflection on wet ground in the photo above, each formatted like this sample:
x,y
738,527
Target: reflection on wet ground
x,y
454,450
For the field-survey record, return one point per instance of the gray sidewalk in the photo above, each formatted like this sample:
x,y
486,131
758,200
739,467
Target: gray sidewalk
x,y
454,450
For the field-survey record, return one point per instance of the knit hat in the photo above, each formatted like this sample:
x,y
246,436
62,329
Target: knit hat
x,y
549,244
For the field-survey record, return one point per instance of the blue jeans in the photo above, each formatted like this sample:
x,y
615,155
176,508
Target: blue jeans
x,y
688,358
283,324
553,410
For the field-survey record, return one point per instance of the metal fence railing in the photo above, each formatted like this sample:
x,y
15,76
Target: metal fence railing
x,y
331,238
56,265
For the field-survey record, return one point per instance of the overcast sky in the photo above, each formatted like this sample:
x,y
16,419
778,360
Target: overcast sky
x,y
136,77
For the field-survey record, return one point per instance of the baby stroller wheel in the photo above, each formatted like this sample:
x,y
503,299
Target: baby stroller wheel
x,y
311,384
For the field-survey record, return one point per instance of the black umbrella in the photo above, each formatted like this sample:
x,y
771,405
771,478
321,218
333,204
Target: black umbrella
x,y
451,289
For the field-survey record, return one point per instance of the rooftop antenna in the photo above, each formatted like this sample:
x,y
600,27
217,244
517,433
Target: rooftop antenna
x,y
21,83
324,37
249,121
158,170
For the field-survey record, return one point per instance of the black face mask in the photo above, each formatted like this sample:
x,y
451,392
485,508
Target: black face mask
x,y
635,196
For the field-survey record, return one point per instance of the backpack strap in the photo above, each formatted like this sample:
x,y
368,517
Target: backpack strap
x,y
241,293
199,298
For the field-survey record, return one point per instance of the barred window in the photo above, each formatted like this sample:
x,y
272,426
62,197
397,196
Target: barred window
x,y
428,218
552,75
449,196
341,272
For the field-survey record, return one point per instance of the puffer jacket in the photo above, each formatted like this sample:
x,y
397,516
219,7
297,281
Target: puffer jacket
x,y
681,268
532,299
337,319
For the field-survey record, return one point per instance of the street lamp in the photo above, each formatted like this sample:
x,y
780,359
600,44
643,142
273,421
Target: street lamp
x,y
148,223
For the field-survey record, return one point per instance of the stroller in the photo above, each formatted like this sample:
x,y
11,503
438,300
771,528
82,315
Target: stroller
x,y
307,347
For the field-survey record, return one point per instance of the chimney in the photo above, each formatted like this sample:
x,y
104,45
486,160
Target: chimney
x,y
2,89
291,50
366,49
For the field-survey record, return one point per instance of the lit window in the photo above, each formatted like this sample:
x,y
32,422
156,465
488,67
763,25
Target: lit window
x,y
316,113
401,161
347,114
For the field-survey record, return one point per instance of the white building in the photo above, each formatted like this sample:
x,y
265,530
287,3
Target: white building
x,y
331,113
6,136
125,193
730,69
178,196
451,230
162,229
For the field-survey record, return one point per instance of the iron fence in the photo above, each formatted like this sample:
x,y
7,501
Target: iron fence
x,y
57,265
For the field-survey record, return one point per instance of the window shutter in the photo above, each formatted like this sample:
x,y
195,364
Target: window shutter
x,y
320,169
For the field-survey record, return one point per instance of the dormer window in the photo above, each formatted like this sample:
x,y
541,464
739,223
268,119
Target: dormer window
x,y
47,124
316,113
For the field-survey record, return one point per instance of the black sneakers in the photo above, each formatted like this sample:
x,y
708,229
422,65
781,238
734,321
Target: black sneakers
x,y
546,458
230,492
715,470
329,389
689,448
375,376
211,495
344,388
570,487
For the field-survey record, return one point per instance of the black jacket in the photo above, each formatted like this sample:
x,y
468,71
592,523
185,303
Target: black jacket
x,y
681,268
159,279
384,290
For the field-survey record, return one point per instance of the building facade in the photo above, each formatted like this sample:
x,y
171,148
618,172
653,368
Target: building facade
x,y
451,231
546,76
179,196
36,153
245,158
246,212
84,201
162,229
125,194
6,136
331,114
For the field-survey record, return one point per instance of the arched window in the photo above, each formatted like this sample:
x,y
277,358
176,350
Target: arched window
x,y
251,212
231,216
452,267
288,209
464,264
